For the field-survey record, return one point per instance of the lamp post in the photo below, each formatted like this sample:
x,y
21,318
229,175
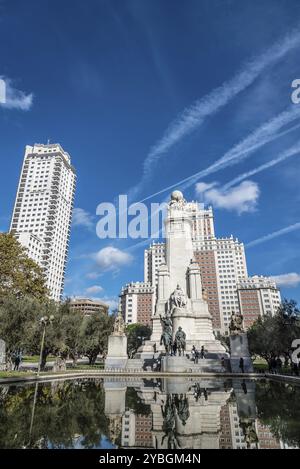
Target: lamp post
x,y
45,320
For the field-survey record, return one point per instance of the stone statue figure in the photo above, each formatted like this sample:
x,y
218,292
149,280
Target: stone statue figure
x,y
178,298
204,294
180,337
177,200
119,324
236,324
248,427
168,427
166,337
115,428
182,406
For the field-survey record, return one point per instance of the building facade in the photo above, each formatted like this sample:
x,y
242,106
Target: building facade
x,y
42,212
88,306
258,296
137,302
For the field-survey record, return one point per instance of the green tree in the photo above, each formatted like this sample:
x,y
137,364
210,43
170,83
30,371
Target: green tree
x,y
94,335
16,319
136,333
19,275
72,325
272,336
55,333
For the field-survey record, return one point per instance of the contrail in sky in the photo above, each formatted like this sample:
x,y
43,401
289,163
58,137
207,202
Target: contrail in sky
x,y
193,117
295,150
273,235
264,134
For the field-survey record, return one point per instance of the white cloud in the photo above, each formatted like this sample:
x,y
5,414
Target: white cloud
x,y
242,198
94,289
82,218
14,98
202,187
93,275
287,280
111,258
113,303
192,117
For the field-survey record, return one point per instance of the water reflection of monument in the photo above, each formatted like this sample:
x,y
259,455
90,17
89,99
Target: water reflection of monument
x,y
206,413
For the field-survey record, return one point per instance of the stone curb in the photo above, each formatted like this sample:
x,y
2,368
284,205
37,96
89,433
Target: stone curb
x,y
144,374
141,374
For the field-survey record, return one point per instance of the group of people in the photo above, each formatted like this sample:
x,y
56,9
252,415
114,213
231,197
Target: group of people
x,y
196,354
16,360
275,365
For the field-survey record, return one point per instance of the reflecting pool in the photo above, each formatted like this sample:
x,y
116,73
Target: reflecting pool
x,y
158,413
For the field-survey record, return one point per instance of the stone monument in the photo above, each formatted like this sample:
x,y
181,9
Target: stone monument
x,y
180,293
240,359
181,312
117,344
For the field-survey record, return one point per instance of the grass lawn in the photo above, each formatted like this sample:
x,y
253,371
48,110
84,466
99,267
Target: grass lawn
x,y
14,374
35,358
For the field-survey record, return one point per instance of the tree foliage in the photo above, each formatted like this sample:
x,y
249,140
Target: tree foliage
x,y
70,334
16,319
94,335
19,275
136,333
272,336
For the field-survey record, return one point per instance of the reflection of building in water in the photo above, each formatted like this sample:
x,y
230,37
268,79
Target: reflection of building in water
x,y
225,432
237,435
187,419
137,430
266,440
187,414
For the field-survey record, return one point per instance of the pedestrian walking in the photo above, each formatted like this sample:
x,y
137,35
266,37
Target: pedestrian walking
x,y
241,365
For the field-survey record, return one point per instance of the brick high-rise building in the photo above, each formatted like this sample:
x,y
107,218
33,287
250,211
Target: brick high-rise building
x,y
137,302
258,296
43,207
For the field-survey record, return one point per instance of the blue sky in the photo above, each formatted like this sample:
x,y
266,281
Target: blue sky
x,y
144,94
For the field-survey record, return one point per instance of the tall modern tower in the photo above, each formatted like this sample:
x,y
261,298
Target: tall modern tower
x,y
43,210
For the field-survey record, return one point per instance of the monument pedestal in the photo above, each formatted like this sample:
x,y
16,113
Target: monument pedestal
x,y
117,351
239,349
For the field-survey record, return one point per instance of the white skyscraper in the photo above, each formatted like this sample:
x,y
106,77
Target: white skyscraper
x,y
43,210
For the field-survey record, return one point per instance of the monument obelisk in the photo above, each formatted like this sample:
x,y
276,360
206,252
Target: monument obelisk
x,y
180,305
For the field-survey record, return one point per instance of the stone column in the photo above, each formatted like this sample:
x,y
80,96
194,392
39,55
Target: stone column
x,y
239,349
117,351
179,246
163,283
195,284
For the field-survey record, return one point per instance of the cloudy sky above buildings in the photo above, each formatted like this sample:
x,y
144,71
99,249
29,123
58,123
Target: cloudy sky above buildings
x,y
151,95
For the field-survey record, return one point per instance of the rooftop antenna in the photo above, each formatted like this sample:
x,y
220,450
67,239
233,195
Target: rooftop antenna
x,y
48,141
